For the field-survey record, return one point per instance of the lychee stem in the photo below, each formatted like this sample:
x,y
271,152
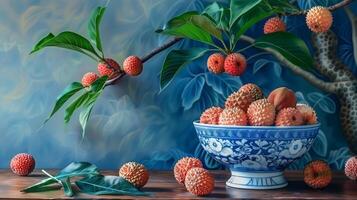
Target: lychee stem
x,y
331,8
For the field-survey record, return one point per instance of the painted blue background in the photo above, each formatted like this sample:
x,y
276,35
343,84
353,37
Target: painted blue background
x,y
132,120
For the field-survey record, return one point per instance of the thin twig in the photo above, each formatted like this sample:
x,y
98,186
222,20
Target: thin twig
x,y
331,8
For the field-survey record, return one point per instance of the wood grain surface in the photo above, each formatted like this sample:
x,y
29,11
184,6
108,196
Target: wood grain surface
x,y
162,185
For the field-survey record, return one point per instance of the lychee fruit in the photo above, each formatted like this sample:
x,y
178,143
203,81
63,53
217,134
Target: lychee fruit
x,y
289,117
282,98
22,164
233,116
240,100
211,115
317,174
273,25
261,113
89,78
133,66
319,19
199,181
351,168
135,173
235,64
253,90
308,114
183,165
109,68
215,63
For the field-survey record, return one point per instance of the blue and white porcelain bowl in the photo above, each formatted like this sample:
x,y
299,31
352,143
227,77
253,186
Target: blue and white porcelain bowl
x,y
256,155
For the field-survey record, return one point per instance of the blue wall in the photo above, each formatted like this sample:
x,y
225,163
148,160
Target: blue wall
x,y
132,120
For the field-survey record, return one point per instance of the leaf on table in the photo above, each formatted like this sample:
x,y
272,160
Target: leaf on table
x,y
106,185
174,62
289,46
67,187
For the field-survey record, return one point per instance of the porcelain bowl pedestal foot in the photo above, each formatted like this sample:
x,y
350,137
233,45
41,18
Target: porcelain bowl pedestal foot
x,y
257,180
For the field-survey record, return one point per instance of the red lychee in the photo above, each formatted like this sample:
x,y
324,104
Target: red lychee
x,y
215,63
317,174
183,165
240,100
282,98
211,115
289,117
235,64
273,25
351,168
135,173
319,19
253,90
109,68
22,164
308,114
199,181
133,66
233,116
261,113
89,78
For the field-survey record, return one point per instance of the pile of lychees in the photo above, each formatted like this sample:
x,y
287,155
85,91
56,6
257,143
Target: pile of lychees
x,y
247,106
132,66
189,171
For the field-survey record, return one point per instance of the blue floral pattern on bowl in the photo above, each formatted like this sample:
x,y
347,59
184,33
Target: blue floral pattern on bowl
x,y
256,155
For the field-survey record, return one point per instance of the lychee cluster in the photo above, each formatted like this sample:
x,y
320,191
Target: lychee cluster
x,y
22,164
132,66
247,106
234,64
135,173
197,180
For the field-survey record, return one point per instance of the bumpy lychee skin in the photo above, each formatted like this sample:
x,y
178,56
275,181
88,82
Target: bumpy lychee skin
x,y
235,64
22,164
253,90
319,19
261,113
211,115
133,66
199,181
89,78
289,117
273,25
111,70
215,63
308,114
233,116
282,98
183,165
351,168
240,100
135,173
317,174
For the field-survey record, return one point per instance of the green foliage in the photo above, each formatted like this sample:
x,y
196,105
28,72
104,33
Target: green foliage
x,y
93,28
174,62
91,183
107,185
288,45
232,23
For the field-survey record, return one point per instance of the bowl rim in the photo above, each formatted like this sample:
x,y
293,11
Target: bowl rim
x,y
197,123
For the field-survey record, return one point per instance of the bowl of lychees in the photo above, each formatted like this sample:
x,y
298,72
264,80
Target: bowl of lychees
x,y
258,136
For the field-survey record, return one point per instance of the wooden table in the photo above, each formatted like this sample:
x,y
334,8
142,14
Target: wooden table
x,y
162,185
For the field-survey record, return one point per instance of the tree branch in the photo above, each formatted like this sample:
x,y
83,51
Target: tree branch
x,y
326,86
353,20
331,8
146,58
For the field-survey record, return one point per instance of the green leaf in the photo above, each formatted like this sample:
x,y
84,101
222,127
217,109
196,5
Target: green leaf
x,y
283,6
67,40
106,185
81,169
240,7
249,19
175,60
67,187
91,95
194,26
214,12
85,113
93,27
66,94
288,45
